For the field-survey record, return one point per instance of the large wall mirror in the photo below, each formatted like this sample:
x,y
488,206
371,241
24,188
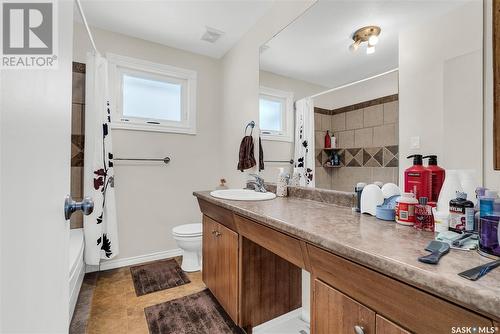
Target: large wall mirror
x,y
373,82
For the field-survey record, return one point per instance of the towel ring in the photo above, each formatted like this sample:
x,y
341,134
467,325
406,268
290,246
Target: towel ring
x,y
251,125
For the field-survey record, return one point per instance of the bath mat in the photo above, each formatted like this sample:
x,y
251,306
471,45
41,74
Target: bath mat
x,y
199,313
156,276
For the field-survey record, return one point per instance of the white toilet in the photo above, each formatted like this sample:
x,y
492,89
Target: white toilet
x,y
188,238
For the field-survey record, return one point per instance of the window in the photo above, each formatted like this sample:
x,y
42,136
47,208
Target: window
x,y
152,97
276,114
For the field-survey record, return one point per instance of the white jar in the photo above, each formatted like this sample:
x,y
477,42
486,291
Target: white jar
x,y
281,183
441,220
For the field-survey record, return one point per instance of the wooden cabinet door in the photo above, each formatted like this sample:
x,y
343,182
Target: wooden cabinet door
x,y
227,270
334,312
209,254
385,326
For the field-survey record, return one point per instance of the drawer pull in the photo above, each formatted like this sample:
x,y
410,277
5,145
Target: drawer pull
x,y
217,234
359,330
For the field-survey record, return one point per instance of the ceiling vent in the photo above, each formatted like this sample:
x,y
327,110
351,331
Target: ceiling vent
x,y
212,35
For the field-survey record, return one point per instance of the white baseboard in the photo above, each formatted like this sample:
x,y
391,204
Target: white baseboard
x,y
128,261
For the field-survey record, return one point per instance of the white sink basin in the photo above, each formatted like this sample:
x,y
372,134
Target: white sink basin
x,y
242,195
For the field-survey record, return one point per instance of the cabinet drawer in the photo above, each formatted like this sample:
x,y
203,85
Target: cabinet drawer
x,y
410,307
334,312
384,326
279,243
220,215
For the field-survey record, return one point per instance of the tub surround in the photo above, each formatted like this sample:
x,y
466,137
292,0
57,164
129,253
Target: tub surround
x,y
384,247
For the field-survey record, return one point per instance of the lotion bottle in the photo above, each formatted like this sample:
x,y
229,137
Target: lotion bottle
x,y
281,183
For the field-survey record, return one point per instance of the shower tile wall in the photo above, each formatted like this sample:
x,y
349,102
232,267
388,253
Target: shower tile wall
x,y
367,135
77,139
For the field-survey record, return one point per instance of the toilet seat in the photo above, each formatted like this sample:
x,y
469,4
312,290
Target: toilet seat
x,y
188,230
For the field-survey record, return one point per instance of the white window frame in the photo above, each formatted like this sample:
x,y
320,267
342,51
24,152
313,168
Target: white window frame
x,y
120,65
288,115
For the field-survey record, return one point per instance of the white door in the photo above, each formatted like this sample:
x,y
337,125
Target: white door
x,y
35,125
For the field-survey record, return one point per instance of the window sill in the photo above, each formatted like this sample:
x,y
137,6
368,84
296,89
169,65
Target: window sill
x,y
152,128
281,138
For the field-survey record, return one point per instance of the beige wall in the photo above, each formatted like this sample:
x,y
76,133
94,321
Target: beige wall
x,y
440,89
278,150
152,198
241,82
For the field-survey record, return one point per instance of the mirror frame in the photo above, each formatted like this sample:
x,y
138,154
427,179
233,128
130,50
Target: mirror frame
x,y
496,83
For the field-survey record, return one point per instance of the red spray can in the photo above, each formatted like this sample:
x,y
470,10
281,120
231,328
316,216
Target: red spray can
x,y
418,178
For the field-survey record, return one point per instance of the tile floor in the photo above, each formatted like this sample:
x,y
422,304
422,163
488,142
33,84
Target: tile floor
x,y
116,309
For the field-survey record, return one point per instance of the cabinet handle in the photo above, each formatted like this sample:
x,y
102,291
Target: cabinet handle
x,y
214,232
359,330
218,234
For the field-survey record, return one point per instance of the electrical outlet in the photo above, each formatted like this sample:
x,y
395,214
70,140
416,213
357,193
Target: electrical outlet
x,y
415,143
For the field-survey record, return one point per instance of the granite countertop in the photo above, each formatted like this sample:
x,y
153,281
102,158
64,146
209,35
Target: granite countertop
x,y
386,247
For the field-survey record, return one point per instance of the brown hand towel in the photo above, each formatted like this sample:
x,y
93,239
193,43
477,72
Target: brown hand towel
x,y
261,156
247,158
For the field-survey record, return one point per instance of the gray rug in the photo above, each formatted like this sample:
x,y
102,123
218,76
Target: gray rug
x,y
156,276
199,313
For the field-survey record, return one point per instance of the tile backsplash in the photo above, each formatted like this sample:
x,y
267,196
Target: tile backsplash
x,y
77,139
367,138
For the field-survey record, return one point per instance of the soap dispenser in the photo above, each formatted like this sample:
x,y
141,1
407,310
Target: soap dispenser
x,y
281,183
418,178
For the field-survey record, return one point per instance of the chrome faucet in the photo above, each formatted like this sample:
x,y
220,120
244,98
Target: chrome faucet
x,y
257,184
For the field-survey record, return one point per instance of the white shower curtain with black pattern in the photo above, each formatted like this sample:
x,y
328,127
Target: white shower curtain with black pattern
x,y
304,141
100,227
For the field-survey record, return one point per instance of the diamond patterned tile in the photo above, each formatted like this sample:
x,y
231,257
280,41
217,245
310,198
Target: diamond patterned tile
x,y
353,163
354,151
379,157
372,163
366,156
393,163
394,149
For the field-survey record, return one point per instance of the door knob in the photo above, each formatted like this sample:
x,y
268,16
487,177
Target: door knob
x,y
70,206
359,330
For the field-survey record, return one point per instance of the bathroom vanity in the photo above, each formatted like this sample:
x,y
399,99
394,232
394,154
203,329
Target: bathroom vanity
x,y
365,277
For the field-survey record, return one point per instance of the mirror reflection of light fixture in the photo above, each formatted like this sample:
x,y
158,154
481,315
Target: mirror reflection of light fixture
x,y
367,34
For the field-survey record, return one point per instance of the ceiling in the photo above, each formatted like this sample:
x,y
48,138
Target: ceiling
x,y
179,24
315,48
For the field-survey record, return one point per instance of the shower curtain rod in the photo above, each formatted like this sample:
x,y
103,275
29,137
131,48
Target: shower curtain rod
x,y
354,83
84,19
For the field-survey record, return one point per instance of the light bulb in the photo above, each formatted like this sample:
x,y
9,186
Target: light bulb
x,y
370,50
373,40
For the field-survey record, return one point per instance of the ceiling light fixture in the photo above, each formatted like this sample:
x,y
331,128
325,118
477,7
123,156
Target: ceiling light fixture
x,y
367,34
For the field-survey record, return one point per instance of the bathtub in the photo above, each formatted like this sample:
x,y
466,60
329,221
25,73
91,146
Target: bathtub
x,y
76,267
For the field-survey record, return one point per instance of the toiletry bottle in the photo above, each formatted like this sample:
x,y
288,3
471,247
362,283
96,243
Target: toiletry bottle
x,y
335,159
487,202
281,183
437,177
358,189
423,216
295,179
461,214
441,220
405,209
328,140
480,191
333,140
417,178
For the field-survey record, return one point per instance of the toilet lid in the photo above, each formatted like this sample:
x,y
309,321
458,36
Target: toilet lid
x,y
188,229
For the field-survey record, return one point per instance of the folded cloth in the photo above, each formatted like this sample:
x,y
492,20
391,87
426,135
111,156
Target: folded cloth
x,y
247,158
261,156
